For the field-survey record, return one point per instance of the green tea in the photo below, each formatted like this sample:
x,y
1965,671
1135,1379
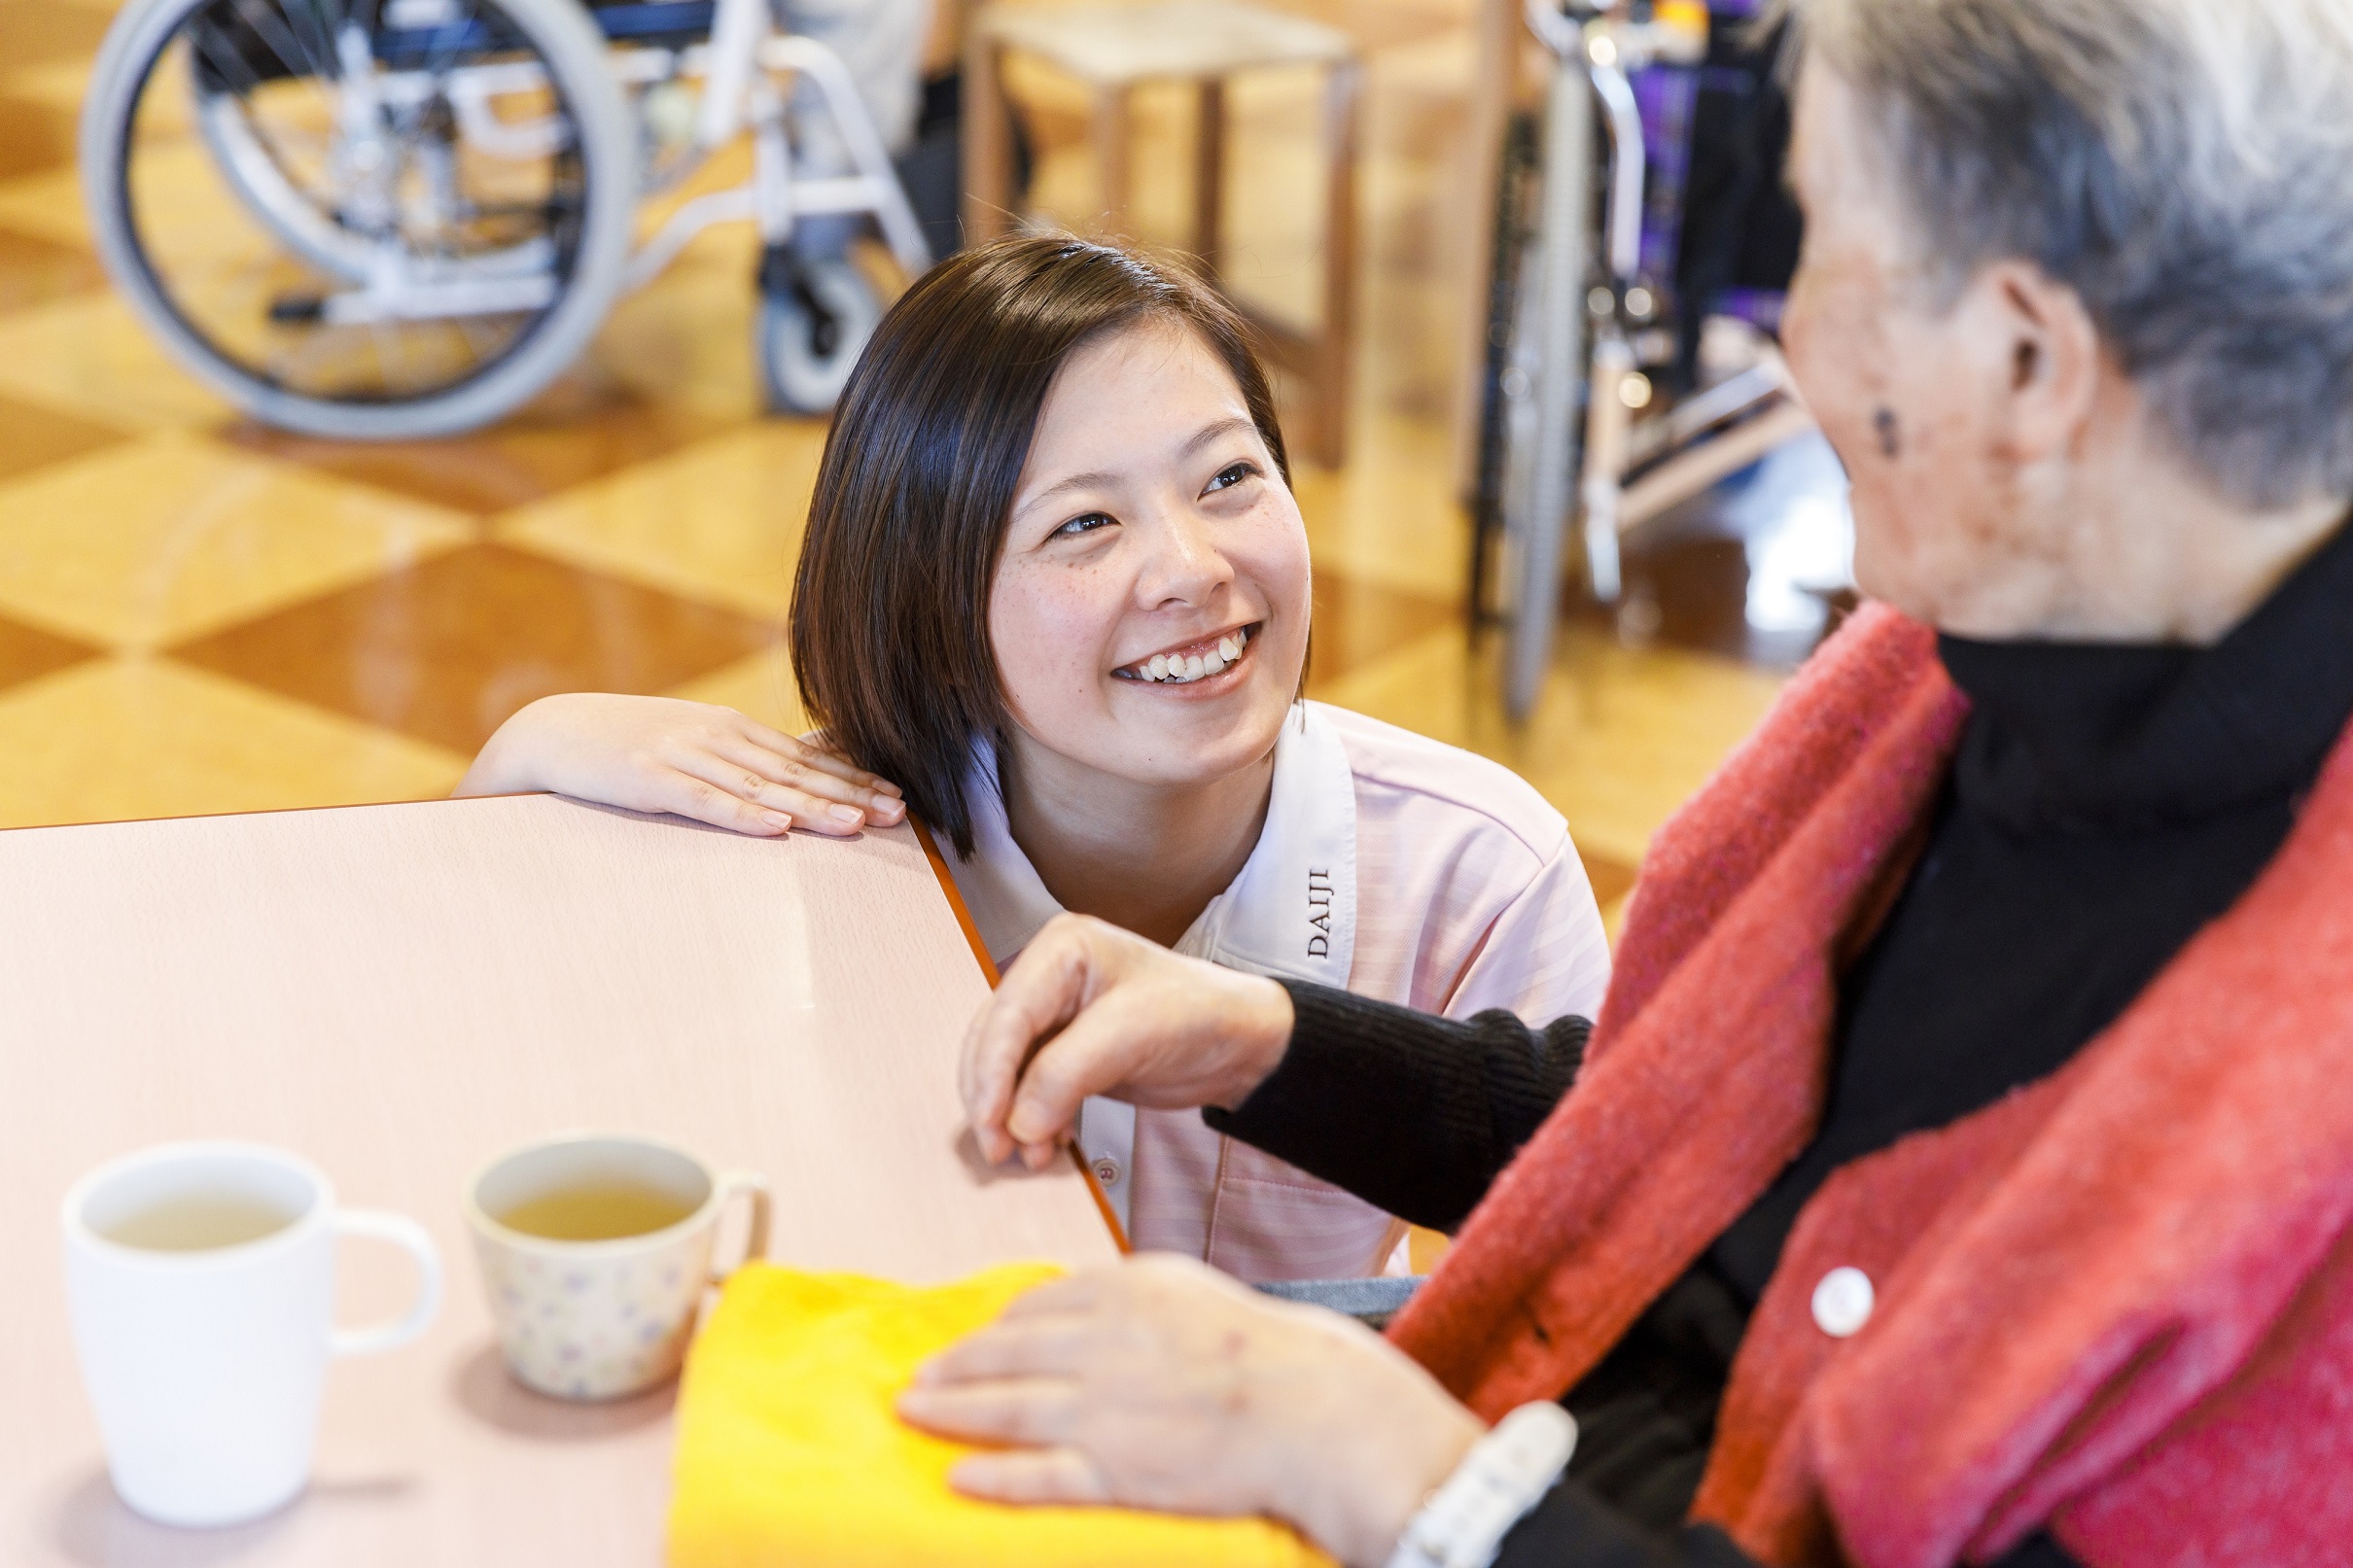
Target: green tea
x,y
198,1222
597,1213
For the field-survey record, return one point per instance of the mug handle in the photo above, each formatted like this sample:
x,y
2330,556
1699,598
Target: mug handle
x,y
754,1186
408,1235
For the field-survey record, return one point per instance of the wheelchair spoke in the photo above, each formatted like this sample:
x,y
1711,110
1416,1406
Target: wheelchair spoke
x,y
341,253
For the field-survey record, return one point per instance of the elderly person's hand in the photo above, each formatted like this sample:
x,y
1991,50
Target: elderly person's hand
x,y
689,758
1160,1383
1090,1010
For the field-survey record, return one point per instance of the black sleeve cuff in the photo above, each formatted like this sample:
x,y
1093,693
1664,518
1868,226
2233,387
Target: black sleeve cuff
x,y
1413,1113
1571,1528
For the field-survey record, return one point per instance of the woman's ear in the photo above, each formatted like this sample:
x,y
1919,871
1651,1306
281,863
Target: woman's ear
x,y
2038,351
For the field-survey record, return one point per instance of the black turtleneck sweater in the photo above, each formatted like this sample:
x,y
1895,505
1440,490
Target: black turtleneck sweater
x,y
2106,802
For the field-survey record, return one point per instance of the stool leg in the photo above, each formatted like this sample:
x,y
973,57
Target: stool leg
x,y
1209,176
1111,160
1329,431
988,142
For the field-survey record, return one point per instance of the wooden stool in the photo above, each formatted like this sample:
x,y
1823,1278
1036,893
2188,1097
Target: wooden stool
x,y
1112,50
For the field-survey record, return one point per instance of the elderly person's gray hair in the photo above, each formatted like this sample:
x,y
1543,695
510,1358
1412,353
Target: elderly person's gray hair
x,y
2186,165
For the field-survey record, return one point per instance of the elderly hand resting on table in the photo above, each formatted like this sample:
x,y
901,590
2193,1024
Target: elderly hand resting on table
x,y
690,758
1158,1382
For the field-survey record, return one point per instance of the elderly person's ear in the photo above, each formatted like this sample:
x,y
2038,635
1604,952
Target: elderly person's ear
x,y
2035,349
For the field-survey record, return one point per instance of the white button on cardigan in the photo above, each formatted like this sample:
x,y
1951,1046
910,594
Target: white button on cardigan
x,y
1842,1303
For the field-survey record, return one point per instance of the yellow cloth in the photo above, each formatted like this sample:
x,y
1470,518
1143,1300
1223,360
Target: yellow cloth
x,y
788,1451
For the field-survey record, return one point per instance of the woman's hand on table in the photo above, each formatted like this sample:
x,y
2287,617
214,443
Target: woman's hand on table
x,y
1090,1010
689,758
1161,1384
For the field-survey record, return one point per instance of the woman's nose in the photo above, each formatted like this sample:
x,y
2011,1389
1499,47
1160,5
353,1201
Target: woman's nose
x,y
1182,565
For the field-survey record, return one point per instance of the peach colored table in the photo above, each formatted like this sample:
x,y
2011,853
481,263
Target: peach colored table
x,y
402,992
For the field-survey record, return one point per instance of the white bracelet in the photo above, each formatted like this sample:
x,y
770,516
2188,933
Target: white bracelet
x,y
1505,1474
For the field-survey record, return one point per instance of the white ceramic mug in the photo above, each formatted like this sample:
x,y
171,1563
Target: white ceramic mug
x,y
604,1318
200,1282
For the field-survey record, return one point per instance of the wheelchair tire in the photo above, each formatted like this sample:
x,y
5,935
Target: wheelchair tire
x,y
810,334
600,157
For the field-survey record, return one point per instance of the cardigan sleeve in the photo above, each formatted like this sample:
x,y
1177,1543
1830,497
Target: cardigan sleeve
x,y
1571,1528
1416,1114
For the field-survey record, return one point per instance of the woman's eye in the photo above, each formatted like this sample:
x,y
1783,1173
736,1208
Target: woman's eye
x,y
1086,524
1232,475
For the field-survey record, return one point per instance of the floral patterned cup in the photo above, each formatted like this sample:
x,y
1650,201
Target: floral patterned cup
x,y
596,1250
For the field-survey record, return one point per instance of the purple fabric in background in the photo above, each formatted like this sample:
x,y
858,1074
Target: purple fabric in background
x,y
1665,95
1761,308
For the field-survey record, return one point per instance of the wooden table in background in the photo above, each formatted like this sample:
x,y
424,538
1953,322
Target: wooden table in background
x,y
402,993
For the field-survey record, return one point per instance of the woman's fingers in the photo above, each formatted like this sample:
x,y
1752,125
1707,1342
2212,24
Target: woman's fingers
x,y
682,794
816,798
1038,994
1033,1346
749,781
815,766
816,754
1072,1294
1031,1475
1029,1411
1081,1059
1090,1010
823,784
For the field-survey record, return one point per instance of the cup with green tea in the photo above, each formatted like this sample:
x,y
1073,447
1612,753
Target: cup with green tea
x,y
596,1249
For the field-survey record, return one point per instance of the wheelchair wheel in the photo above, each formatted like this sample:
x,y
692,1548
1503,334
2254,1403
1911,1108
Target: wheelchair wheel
x,y
815,318
363,219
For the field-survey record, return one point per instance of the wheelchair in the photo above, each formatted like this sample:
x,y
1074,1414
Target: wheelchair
x,y
384,220
1582,437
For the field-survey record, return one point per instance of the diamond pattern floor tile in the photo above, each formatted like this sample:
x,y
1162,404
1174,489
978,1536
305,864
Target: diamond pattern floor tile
x,y
120,737
35,271
448,648
721,520
1358,623
33,136
33,437
89,356
47,204
165,537
37,34
568,439
27,653
759,685
1390,517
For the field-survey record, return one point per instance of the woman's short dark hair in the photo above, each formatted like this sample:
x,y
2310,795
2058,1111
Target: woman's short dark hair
x,y
890,605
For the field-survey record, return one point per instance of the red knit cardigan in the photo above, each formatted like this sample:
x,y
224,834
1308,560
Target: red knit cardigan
x,y
2118,1303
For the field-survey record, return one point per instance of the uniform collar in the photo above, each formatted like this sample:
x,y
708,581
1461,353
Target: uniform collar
x,y
1291,911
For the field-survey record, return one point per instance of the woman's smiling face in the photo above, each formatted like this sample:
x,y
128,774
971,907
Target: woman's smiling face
x,y
1150,615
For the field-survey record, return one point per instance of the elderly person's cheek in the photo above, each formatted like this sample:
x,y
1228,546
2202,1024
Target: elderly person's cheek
x,y
1835,335
1869,388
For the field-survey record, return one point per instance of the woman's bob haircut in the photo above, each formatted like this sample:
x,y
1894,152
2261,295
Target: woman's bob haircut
x,y
891,606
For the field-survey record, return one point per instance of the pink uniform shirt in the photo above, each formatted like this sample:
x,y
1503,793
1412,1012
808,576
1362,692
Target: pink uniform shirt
x,y
1390,864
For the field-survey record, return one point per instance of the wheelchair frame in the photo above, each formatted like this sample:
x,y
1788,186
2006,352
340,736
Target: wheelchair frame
x,y
1620,467
739,63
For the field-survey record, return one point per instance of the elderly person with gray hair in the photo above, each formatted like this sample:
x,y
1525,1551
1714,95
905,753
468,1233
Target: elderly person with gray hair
x,y
1961,1168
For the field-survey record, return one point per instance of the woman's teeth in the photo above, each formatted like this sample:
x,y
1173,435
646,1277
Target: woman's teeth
x,y
1187,667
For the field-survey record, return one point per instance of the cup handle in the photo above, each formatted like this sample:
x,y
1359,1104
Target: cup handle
x,y
408,1235
756,1238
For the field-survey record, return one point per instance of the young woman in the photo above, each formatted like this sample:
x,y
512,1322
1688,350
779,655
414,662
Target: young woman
x,y
1055,584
